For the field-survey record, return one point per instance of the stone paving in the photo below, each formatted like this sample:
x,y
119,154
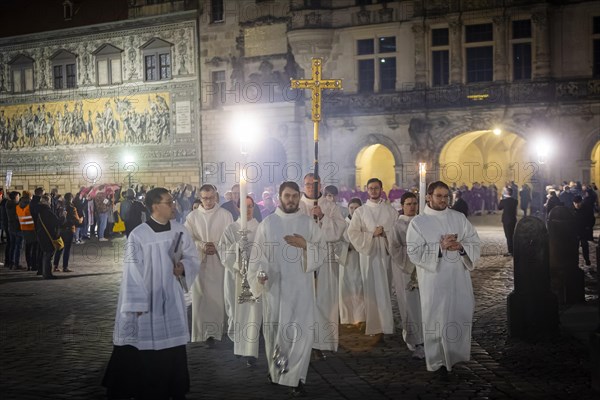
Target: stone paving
x,y
55,341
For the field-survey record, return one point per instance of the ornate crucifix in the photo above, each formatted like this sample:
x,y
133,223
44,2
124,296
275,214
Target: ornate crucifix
x,y
316,86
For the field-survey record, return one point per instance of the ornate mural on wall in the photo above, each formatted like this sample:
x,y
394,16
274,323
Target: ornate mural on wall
x,y
136,119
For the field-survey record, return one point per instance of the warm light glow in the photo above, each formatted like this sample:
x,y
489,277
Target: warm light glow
x,y
497,131
422,169
544,148
129,158
245,127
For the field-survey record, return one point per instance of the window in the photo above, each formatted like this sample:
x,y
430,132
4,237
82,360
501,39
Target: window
x,y
479,53
380,51
219,82
596,47
157,60
108,65
521,49
440,57
64,70
216,11
21,68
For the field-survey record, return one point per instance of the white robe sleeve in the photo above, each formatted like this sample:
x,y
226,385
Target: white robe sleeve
x,y
421,253
228,249
260,255
362,241
190,259
316,250
332,224
398,247
471,245
135,296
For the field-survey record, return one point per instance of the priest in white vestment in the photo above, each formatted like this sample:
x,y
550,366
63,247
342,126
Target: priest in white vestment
x,y
151,325
444,246
290,248
351,297
328,216
246,318
405,278
206,225
368,232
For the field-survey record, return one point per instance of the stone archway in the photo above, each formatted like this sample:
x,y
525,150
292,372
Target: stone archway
x,y
482,156
595,165
371,147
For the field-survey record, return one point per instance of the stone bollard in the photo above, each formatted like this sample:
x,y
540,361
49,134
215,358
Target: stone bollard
x,y
566,278
532,307
595,339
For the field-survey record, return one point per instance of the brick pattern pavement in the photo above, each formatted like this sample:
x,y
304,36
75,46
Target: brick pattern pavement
x,y
56,338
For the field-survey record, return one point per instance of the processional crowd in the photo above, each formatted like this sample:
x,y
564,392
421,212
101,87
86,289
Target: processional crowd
x,y
291,280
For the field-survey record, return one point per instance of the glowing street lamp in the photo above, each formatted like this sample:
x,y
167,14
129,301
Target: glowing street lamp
x,y
497,131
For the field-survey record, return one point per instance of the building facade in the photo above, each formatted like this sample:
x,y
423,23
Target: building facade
x,y
114,102
482,91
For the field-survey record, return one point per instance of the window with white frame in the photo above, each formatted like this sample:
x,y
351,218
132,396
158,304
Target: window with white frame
x,y
108,65
64,70
521,49
440,57
376,64
21,72
157,60
479,53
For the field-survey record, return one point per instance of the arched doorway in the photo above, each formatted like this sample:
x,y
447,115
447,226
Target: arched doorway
x,y
482,156
375,161
267,167
595,165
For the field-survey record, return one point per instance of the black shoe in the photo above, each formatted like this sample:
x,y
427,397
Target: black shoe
x,y
67,270
299,390
271,380
441,373
251,362
210,342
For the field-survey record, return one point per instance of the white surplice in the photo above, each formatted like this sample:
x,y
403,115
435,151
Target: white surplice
x,y
351,296
289,313
445,287
246,318
374,263
405,283
149,287
208,304
327,283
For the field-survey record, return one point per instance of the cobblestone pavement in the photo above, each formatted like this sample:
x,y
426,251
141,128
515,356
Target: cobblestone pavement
x,y
55,341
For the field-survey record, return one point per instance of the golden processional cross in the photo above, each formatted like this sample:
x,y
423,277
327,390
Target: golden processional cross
x,y
316,86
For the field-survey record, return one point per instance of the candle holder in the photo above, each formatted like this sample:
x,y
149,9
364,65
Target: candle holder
x,y
245,295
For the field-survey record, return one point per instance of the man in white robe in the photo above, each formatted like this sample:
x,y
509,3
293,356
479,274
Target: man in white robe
x,y
206,225
405,278
368,232
444,246
151,324
246,318
351,297
290,248
328,217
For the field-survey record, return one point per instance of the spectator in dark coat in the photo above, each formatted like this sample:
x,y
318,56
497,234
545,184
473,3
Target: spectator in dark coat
x,y
552,202
525,198
14,230
47,230
584,215
4,224
33,208
509,218
69,219
459,204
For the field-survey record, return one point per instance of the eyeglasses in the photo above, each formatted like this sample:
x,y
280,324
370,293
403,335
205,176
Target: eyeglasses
x,y
439,196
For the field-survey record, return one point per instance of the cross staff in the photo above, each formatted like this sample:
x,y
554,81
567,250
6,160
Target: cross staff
x,y
316,86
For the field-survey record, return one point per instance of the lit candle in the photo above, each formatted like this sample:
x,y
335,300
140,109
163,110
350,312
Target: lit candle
x,y
422,189
243,208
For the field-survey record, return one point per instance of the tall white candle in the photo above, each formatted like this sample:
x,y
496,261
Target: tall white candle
x,y
422,187
243,193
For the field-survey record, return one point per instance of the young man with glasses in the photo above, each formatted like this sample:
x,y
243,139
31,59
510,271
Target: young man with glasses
x,y
368,233
149,359
444,246
206,224
328,216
